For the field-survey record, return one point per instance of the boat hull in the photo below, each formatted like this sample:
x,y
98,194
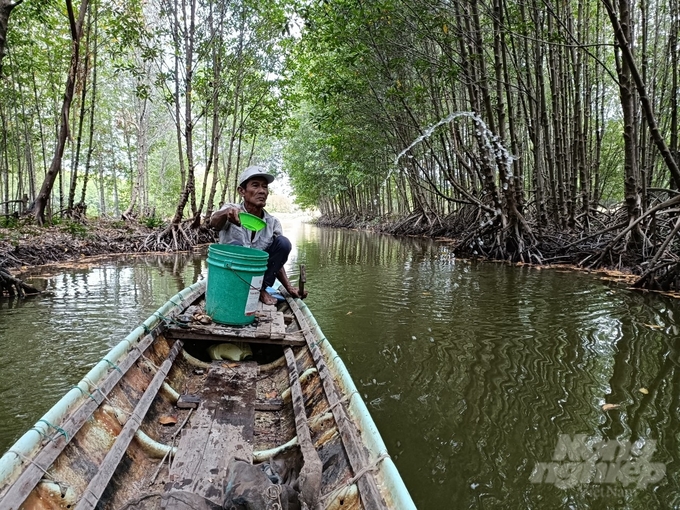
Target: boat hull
x,y
153,421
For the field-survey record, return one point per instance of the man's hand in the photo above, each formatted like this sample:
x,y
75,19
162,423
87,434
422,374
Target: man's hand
x,y
221,217
232,215
295,292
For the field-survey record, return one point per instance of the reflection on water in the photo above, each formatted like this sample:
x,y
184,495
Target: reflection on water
x,y
470,370
48,343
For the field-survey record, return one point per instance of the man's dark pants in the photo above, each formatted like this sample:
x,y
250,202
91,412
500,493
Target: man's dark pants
x,y
278,256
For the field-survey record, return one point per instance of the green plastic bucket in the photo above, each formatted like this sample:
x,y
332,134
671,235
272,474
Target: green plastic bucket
x,y
235,275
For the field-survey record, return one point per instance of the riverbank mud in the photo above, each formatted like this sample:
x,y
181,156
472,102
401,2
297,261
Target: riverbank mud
x,y
27,245
597,250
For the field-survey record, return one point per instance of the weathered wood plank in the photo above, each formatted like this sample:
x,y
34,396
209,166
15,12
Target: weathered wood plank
x,y
311,472
222,429
264,326
34,471
216,336
355,449
99,482
278,327
274,404
188,402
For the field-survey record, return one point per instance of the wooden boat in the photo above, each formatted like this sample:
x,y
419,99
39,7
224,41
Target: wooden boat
x,y
153,425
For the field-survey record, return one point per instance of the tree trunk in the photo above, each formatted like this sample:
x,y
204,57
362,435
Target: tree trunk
x,y
626,93
81,120
178,116
6,7
4,168
102,193
142,127
189,189
38,208
673,50
622,33
190,34
93,102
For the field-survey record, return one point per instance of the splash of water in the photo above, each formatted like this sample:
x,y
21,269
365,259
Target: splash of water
x,y
491,142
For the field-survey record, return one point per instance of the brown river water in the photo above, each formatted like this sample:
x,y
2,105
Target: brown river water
x,y
485,380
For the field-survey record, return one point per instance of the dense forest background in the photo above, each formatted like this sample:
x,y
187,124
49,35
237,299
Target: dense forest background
x,y
532,131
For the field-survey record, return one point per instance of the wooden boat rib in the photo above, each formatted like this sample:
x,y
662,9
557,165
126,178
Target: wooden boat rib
x,y
154,426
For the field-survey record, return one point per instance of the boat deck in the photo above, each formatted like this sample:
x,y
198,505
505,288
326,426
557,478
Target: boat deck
x,y
221,429
269,328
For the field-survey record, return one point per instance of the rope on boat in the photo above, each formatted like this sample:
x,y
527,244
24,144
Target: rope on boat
x,y
42,434
371,467
169,320
113,365
55,427
89,383
46,474
274,493
343,400
97,388
318,342
85,393
21,456
150,362
105,398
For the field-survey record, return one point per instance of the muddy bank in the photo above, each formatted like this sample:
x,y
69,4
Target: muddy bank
x,y
29,245
597,249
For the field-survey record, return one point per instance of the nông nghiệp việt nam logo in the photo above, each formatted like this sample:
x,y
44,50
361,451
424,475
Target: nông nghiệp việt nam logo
x,y
592,460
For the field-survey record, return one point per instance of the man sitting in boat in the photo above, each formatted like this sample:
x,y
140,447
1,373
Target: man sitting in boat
x,y
254,189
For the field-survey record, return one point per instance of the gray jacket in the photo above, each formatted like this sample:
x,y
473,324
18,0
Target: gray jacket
x,y
233,234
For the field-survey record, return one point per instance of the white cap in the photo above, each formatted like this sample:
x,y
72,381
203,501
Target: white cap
x,y
254,171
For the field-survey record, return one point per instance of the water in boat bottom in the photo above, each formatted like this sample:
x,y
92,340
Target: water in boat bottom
x,y
486,381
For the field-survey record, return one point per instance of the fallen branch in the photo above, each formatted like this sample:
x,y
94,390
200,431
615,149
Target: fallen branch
x,y
652,265
664,205
13,286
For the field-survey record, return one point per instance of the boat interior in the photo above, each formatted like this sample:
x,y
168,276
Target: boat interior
x,y
200,415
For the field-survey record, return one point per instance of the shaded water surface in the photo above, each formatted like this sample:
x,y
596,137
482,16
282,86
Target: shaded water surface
x,y
470,370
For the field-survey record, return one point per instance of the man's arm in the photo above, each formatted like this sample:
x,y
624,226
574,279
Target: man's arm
x,y
220,218
293,291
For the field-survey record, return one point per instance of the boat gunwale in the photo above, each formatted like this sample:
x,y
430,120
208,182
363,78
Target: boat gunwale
x,y
386,470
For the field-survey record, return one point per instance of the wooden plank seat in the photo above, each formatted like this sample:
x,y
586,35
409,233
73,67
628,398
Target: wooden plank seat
x,y
220,430
270,328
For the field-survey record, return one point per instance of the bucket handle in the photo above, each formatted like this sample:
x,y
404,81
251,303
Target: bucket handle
x,y
227,265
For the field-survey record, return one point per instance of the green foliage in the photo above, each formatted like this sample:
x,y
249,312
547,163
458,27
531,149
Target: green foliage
x,y
75,229
152,222
9,221
332,107
611,165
